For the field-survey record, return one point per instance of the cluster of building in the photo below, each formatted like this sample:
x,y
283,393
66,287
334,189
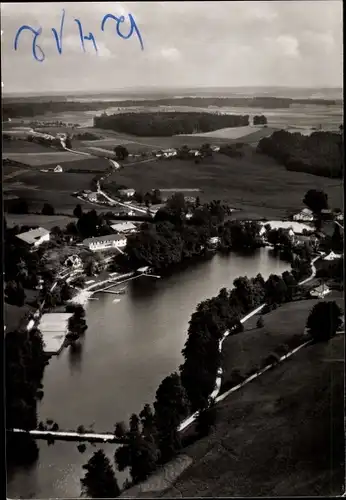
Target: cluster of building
x,y
306,215
109,241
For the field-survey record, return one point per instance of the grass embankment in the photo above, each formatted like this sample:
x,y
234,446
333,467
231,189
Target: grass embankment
x,y
283,434
255,184
283,328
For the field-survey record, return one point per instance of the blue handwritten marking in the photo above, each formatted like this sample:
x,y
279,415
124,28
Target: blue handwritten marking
x,y
35,47
85,37
39,54
58,39
119,20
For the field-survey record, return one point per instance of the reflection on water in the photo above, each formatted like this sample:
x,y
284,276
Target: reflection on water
x,y
128,348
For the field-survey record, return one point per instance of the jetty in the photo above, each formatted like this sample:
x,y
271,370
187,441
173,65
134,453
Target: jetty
x,y
91,437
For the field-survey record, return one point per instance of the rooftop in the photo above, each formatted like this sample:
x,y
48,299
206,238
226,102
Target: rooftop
x,y
108,237
33,235
123,226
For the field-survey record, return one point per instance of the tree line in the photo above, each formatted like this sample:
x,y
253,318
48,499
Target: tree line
x,y
163,124
320,153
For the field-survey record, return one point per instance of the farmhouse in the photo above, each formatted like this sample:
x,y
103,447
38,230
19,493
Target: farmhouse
x,y
35,237
127,192
320,291
332,256
73,261
124,227
167,153
304,215
58,168
215,148
105,242
194,152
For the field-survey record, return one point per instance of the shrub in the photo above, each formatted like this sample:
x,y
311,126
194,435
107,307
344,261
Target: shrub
x,y
260,322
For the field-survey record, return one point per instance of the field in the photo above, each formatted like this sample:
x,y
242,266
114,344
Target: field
x,y
285,325
38,159
46,221
281,435
243,134
20,146
255,184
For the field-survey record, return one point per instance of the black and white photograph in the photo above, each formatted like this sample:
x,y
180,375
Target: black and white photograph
x,y
173,249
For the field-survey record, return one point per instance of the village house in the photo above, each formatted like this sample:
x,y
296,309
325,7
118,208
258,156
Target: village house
x,y
319,291
215,148
332,256
167,153
105,242
124,227
35,237
339,217
73,261
127,192
58,168
194,152
305,215
214,240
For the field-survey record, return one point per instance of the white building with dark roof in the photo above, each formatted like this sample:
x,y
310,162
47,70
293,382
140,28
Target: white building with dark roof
x,y
35,237
127,192
124,227
304,215
105,242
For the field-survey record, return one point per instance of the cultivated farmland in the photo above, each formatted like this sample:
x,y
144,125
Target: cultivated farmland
x,y
253,183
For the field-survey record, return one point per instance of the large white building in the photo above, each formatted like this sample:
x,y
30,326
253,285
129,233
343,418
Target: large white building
x,y
105,242
35,237
124,227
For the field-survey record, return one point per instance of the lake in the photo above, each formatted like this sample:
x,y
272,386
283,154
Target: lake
x,y
129,347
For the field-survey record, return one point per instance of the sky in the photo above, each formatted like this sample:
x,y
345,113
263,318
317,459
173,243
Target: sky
x,y
186,44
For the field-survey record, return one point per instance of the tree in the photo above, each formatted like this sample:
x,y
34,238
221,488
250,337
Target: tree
x,y
15,293
316,200
121,152
260,322
47,209
337,239
206,419
78,212
68,142
99,480
324,321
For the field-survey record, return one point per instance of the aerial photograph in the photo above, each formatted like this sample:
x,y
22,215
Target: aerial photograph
x,y
173,249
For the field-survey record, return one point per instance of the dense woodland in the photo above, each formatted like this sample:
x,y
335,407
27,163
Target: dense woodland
x,y
321,153
163,124
32,108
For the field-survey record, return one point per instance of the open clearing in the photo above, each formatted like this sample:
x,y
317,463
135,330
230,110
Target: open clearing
x,y
38,159
281,435
253,183
46,221
235,132
247,350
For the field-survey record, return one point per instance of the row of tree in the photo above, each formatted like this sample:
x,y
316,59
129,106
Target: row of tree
x,y
161,124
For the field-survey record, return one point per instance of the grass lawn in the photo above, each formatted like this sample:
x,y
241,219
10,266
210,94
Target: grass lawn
x,y
247,350
21,146
253,183
242,134
36,159
282,434
84,163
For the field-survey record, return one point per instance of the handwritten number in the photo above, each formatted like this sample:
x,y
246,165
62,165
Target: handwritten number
x,y
119,21
85,37
35,47
58,38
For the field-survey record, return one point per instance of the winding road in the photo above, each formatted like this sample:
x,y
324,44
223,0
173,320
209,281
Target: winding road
x,y
214,396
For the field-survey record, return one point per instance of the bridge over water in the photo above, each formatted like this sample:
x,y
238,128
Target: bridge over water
x,y
91,437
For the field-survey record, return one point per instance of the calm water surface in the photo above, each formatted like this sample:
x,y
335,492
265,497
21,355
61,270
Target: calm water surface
x,y
129,347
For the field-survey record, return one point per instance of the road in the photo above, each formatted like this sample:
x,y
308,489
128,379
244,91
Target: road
x,y
214,395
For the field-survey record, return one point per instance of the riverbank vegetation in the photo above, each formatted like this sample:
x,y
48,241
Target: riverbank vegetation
x,y
24,366
161,124
320,153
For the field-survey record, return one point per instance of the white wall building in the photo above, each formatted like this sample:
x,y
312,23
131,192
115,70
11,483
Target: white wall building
x,y
105,242
127,192
124,227
35,237
58,168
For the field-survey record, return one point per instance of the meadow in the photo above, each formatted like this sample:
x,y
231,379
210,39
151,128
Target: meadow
x,y
255,184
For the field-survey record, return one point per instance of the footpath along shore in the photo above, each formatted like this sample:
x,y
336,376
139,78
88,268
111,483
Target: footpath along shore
x,y
214,396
